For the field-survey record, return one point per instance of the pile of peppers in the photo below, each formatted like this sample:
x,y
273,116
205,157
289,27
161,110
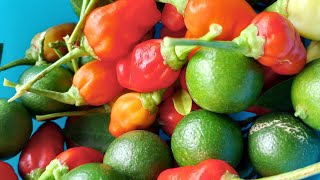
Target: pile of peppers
x,y
140,81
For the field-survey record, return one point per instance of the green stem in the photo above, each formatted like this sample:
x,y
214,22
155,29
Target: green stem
x,y
280,6
176,56
101,109
150,101
54,171
72,96
34,174
18,62
78,30
20,90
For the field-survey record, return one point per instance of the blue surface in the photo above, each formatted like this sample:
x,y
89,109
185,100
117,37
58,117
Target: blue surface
x,y
20,21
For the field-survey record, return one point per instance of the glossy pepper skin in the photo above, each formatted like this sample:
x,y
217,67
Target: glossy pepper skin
x,y
144,70
128,114
233,16
7,172
113,30
212,169
171,18
77,156
284,52
45,144
97,82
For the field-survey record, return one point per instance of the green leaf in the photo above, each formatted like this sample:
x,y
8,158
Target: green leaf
x,y
278,98
182,102
90,131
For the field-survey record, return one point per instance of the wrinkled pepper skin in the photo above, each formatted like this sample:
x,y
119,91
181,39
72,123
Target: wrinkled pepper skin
x,y
77,156
233,16
284,52
45,144
7,172
171,18
144,70
128,114
113,30
97,82
212,169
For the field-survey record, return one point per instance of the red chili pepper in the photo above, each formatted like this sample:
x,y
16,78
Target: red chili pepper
x,y
283,49
153,66
171,18
212,169
144,70
7,172
113,30
177,34
45,144
70,159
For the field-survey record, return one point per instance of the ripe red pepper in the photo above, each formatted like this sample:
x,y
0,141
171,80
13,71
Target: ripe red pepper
x,y
145,70
7,172
70,159
153,66
113,30
177,34
45,144
283,49
212,169
171,18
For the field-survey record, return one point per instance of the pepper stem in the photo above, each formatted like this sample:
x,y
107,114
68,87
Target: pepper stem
x,y
280,6
78,29
102,109
179,4
248,43
20,90
150,101
55,170
72,96
18,62
34,174
176,56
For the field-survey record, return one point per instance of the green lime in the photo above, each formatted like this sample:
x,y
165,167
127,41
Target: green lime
x,y
223,81
279,142
139,155
93,171
15,127
59,79
202,135
305,94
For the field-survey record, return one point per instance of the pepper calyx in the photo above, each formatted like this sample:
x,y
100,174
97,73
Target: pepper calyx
x,y
34,174
150,101
55,170
280,6
251,44
179,4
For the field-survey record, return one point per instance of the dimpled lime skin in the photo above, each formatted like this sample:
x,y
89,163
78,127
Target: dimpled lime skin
x,y
202,135
305,94
223,81
93,171
139,155
59,79
279,142
15,127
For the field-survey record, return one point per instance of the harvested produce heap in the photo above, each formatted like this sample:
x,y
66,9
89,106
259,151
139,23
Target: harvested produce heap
x,y
154,89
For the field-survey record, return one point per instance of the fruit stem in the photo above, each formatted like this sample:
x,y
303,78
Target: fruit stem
x,y
18,62
179,4
102,109
176,56
78,29
150,101
75,53
280,6
296,174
